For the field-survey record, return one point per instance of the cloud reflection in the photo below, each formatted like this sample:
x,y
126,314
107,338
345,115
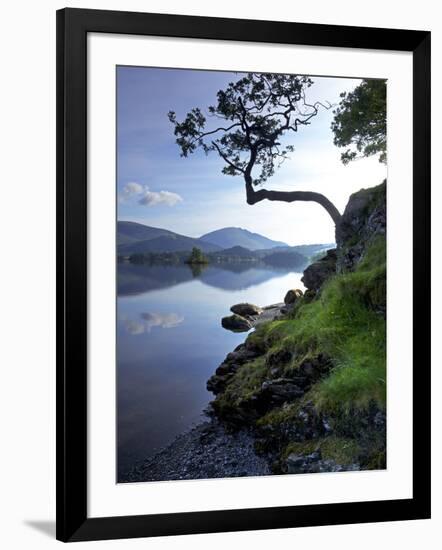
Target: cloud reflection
x,y
150,320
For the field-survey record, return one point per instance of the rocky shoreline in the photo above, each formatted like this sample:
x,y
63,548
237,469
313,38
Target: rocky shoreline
x,y
206,451
305,392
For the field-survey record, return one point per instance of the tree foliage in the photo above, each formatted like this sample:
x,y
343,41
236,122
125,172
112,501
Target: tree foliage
x,y
197,257
246,127
360,121
255,112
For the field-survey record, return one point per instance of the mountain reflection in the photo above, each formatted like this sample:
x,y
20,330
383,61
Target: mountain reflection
x,y
137,279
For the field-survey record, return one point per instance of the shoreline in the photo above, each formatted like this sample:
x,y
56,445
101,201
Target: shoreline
x,y
208,449
205,451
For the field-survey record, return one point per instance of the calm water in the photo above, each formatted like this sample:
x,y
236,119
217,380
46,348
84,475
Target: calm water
x,y
170,341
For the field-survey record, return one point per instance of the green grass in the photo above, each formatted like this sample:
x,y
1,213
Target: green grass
x,y
344,324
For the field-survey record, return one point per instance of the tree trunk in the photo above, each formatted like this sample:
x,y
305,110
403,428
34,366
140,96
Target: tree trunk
x,y
291,196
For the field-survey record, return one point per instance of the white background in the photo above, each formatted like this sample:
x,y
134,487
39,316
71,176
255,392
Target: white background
x,y
28,276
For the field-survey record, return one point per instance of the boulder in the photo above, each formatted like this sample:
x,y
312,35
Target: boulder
x,y
246,310
280,390
236,323
364,218
217,383
278,357
292,295
317,273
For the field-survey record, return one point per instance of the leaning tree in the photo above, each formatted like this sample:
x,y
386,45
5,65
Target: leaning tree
x,y
246,127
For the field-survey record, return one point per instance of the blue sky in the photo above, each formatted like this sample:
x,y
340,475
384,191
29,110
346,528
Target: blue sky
x,y
190,195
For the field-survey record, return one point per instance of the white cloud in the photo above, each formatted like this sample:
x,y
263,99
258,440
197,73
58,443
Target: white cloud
x,y
152,198
131,189
147,197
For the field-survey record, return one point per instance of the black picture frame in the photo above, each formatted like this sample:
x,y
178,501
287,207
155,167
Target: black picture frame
x,y
73,25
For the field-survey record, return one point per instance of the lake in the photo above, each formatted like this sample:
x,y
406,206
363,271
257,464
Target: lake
x,y
170,341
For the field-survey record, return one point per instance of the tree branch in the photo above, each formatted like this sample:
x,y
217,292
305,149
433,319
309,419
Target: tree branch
x,y
227,160
291,196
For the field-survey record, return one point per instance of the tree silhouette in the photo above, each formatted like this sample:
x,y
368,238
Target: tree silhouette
x,y
252,115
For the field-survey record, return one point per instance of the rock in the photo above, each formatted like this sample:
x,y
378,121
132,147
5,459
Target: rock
x,y
317,273
279,357
280,390
217,383
236,323
241,356
363,219
309,295
292,295
313,463
226,368
314,368
246,310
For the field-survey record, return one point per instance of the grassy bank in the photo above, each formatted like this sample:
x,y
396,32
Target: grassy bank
x,y
340,337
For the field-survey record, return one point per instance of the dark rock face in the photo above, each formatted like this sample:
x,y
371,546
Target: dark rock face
x,y
236,323
233,360
364,218
317,273
246,310
306,425
278,358
279,391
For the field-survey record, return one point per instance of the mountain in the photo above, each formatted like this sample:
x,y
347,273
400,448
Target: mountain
x,y
229,237
131,232
307,250
135,237
286,259
166,243
238,251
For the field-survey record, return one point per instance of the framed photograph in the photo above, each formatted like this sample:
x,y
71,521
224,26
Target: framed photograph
x,y
243,302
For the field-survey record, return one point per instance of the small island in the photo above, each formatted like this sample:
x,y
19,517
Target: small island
x,y
196,257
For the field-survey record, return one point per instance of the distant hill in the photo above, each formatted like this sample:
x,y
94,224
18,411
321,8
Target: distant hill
x,y
238,251
307,250
166,243
229,237
286,259
131,232
136,238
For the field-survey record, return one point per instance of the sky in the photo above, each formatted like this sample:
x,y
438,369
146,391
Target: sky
x,y
191,196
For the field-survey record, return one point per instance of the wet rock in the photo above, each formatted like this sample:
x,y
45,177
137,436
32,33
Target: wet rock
x,y
246,310
236,323
292,295
317,273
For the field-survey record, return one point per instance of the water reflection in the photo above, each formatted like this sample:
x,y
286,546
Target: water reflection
x,y
137,279
148,320
170,341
